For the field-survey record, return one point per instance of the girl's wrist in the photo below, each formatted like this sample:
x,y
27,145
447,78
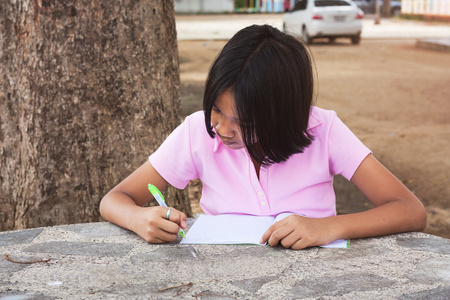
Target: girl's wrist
x,y
338,228
134,217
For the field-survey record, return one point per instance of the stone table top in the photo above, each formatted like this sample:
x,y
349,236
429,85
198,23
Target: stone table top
x,y
103,261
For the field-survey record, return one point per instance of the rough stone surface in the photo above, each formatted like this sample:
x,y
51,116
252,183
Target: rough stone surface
x,y
254,284
19,237
18,295
424,244
84,248
431,271
96,230
166,254
339,285
440,293
102,261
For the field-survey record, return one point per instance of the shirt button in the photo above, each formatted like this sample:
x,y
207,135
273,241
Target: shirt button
x,y
263,203
261,194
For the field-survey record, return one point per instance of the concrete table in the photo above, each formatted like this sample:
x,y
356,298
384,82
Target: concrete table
x,y
103,261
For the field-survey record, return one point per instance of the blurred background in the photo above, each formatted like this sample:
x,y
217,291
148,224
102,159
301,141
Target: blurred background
x,y
435,9
392,90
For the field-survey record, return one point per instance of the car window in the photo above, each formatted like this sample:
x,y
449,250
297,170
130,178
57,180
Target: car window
x,y
321,3
300,5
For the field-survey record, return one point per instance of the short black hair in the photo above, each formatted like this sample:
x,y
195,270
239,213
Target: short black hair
x,y
269,75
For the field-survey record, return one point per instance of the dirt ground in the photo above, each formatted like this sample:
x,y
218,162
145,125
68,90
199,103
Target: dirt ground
x,y
394,96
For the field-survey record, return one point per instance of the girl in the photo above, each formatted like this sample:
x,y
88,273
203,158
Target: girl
x,y
260,148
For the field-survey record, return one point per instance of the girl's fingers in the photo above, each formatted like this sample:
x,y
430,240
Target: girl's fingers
x,y
288,232
165,236
157,241
176,216
277,233
176,220
295,242
300,244
265,237
156,228
161,237
268,234
289,240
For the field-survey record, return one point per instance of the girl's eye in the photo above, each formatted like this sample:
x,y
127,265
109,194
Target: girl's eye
x,y
215,109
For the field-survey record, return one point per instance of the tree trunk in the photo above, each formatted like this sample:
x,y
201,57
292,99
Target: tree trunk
x,y
386,8
88,89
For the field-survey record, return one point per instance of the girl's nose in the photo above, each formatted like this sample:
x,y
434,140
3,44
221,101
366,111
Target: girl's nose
x,y
225,130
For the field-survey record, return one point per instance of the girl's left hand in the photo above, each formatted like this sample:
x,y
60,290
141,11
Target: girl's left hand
x,y
298,232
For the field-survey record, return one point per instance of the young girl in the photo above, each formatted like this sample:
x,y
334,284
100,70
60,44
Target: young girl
x,y
260,148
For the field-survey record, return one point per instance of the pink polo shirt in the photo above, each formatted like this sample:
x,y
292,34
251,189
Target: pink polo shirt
x,y
301,185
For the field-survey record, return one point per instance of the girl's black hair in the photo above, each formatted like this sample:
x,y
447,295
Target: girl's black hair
x,y
269,75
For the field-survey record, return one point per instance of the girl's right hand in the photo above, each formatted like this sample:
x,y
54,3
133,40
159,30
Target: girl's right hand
x,y
124,206
151,224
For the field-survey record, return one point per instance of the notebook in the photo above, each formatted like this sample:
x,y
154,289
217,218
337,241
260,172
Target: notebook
x,y
236,229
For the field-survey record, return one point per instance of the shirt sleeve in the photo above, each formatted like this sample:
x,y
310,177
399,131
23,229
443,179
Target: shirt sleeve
x,y
346,151
173,159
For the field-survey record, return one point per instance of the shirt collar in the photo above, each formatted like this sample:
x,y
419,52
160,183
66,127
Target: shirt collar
x,y
217,142
313,120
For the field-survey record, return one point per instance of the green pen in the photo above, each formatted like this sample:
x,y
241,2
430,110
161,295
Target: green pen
x,y
160,198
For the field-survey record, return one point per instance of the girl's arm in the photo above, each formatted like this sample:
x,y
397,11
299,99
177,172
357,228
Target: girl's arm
x,y
397,210
123,206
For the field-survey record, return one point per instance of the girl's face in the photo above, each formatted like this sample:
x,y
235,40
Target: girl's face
x,y
224,121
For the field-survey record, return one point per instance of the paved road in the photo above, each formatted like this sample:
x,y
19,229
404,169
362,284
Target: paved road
x,y
222,27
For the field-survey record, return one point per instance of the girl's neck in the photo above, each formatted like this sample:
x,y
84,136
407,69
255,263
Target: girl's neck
x,y
257,167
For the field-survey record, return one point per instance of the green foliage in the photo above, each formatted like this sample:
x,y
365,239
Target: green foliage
x,y
239,4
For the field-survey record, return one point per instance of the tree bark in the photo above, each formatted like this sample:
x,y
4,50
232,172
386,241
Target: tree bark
x,y
386,8
88,89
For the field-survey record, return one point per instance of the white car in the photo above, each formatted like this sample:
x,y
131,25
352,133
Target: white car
x,y
324,18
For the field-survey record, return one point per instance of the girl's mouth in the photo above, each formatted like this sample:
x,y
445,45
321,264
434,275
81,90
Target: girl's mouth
x,y
225,140
228,143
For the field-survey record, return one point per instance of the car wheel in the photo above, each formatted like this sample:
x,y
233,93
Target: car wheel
x,y
305,37
356,39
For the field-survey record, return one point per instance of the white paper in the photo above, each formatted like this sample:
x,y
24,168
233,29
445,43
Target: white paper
x,y
337,244
227,229
235,229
